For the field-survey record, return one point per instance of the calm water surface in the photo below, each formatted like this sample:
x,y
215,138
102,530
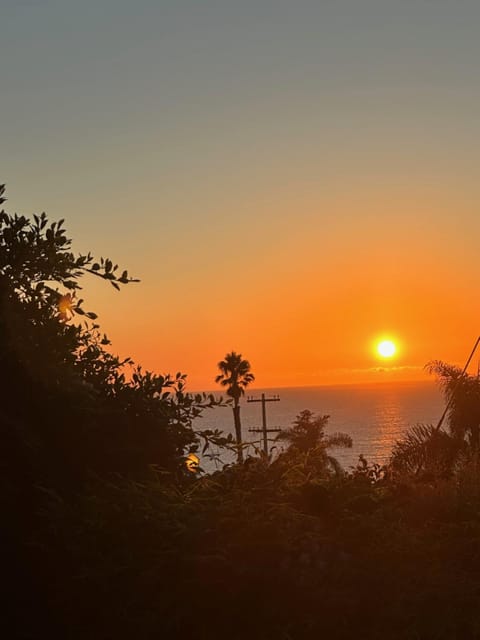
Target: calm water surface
x,y
375,416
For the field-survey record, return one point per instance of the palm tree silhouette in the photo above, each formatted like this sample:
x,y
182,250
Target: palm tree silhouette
x,y
236,376
462,394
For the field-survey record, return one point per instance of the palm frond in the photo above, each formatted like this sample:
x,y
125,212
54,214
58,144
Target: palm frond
x,y
338,440
424,449
335,465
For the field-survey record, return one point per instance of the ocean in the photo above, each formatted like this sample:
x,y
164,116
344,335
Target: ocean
x,y
374,415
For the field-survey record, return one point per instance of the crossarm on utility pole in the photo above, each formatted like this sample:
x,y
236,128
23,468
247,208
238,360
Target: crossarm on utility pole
x,y
264,429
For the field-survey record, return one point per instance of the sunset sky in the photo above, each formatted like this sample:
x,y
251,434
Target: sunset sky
x,y
291,180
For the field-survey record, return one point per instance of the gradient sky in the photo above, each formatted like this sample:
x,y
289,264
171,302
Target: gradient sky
x,y
291,180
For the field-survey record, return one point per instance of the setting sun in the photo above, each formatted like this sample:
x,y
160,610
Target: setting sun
x,y
386,348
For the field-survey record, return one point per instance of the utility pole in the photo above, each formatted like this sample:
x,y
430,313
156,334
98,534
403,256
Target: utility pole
x,y
264,429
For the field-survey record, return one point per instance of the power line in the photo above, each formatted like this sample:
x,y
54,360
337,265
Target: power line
x,y
455,387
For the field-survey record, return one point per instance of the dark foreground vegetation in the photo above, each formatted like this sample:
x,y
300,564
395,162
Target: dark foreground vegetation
x,y
106,534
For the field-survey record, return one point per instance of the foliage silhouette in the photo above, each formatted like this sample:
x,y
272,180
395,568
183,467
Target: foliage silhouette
x,y
236,376
307,435
86,409
462,393
425,450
